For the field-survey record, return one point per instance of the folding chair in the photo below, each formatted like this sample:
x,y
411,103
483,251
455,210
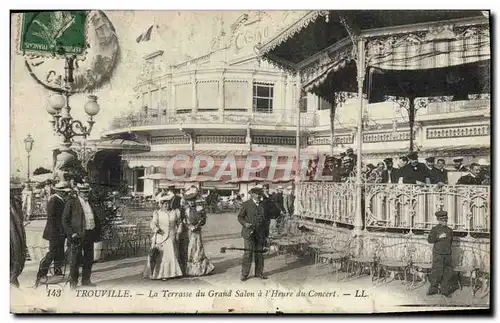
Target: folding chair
x,y
421,264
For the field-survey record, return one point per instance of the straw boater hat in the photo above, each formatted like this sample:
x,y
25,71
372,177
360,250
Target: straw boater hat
x,y
85,187
190,193
62,186
256,189
289,187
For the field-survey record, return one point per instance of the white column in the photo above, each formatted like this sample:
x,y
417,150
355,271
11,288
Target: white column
x,y
358,220
297,139
250,95
194,109
221,95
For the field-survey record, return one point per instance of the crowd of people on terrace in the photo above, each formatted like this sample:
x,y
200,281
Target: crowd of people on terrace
x,y
409,170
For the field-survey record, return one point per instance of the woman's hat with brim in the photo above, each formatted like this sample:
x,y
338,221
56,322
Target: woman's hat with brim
x,y
167,197
190,193
62,186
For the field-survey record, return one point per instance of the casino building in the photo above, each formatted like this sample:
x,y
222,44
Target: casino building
x,y
224,101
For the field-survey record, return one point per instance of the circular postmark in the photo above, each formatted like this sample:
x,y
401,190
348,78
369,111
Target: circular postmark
x,y
49,38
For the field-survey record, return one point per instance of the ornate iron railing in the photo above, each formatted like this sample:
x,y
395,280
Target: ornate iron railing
x,y
398,206
413,206
331,202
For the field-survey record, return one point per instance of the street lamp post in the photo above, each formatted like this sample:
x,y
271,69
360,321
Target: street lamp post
x,y
62,121
28,145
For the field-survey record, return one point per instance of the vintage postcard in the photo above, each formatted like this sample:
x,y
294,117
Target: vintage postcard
x,y
322,161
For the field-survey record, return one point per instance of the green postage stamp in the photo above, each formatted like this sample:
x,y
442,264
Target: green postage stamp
x,y
53,32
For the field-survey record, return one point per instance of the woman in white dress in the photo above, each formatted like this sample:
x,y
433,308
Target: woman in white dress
x,y
166,225
195,218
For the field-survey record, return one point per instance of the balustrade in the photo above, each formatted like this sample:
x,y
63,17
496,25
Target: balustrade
x,y
398,206
276,117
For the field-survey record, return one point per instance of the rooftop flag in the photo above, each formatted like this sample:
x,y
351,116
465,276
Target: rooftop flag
x,y
146,36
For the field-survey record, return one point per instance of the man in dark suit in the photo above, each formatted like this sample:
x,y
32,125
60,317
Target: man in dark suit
x,y
473,177
431,170
271,208
390,174
441,172
176,203
54,232
82,226
253,219
415,172
458,164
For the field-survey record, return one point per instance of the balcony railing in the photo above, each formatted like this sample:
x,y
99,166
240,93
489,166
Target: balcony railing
x,y
398,206
414,206
276,118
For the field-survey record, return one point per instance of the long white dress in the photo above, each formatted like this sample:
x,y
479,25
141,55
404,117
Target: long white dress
x,y
168,266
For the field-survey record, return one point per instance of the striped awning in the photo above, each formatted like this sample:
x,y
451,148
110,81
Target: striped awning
x,y
443,47
118,144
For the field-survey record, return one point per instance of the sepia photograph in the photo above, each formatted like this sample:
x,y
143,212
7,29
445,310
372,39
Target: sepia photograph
x,y
250,161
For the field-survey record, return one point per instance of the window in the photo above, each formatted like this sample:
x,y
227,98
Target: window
x,y
303,102
324,105
263,97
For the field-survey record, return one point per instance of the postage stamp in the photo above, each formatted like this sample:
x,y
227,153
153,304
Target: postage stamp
x,y
261,161
54,32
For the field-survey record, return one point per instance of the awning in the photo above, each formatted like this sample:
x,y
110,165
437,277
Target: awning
x,y
438,48
118,144
396,40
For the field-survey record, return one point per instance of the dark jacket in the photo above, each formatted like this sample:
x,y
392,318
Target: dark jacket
x,y
279,202
74,219
394,176
176,203
442,246
412,174
441,175
469,180
54,227
288,203
256,216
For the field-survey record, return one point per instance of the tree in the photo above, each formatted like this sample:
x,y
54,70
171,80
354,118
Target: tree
x,y
41,170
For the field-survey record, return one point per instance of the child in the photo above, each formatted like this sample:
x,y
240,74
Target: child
x,y
442,269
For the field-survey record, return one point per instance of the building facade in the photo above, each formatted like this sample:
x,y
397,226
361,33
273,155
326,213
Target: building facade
x,y
228,102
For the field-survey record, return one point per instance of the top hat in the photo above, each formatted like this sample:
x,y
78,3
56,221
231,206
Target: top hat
x,y
430,159
441,215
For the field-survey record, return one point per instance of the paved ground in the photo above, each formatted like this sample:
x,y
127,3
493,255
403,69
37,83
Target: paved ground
x,y
285,273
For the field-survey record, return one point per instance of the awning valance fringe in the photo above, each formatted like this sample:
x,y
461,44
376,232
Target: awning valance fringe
x,y
434,49
291,30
